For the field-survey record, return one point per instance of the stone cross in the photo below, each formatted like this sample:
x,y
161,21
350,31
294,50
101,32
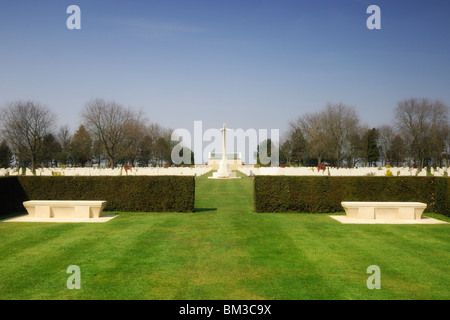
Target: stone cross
x,y
224,171
224,153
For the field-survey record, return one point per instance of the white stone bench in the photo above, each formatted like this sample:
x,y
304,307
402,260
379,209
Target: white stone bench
x,y
384,210
64,208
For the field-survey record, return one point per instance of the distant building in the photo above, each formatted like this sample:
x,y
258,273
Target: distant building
x,y
234,160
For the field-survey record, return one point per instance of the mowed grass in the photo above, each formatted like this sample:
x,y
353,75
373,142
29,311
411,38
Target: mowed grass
x,y
223,251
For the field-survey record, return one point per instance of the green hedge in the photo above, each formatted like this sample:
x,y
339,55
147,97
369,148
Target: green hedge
x,y
129,194
325,194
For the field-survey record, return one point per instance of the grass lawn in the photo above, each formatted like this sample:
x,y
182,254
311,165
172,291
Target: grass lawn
x,y
223,251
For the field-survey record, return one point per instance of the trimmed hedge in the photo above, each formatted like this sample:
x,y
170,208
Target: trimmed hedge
x,y
325,194
129,194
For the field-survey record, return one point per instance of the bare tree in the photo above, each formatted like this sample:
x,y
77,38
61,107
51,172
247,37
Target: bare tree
x,y
339,122
134,133
314,134
25,124
328,134
422,123
446,152
107,121
64,138
439,145
98,152
386,134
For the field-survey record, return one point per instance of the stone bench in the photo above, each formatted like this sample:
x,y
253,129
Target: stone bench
x,y
64,208
384,210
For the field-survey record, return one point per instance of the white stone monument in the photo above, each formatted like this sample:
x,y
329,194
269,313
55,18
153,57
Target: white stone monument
x,y
224,171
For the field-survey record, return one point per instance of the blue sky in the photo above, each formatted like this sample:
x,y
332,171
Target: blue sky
x,y
251,64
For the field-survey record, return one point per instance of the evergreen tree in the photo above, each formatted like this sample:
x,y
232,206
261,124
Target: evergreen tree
x,y
5,155
81,147
373,153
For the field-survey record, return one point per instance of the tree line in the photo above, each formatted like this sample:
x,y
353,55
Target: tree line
x,y
109,134
113,135
418,136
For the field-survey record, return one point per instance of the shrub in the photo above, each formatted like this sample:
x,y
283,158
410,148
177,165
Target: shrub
x,y
442,204
126,193
325,194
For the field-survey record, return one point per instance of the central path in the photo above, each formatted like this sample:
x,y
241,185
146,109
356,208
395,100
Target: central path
x,y
230,195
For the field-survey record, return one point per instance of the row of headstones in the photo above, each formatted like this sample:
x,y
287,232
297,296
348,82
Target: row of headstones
x,y
107,172
247,170
363,171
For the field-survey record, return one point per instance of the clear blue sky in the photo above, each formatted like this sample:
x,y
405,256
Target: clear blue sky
x,y
251,64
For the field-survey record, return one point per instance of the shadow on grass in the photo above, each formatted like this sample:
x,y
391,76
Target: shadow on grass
x,y
204,209
12,215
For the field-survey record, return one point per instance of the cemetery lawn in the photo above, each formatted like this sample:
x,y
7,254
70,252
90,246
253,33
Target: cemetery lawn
x,y
223,251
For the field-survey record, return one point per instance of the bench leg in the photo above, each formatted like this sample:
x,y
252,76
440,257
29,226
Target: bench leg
x,y
418,213
96,212
352,213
